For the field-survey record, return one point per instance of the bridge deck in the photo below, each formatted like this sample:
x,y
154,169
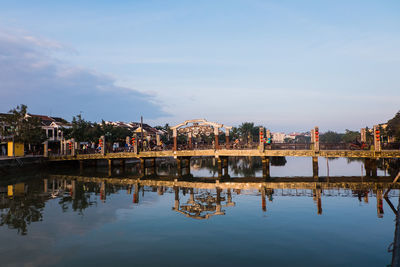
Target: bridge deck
x,y
235,153
353,183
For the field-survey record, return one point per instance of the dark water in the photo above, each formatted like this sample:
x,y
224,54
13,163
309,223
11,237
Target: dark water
x,y
66,218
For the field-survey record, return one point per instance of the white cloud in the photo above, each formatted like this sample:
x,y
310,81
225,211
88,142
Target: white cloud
x,y
29,74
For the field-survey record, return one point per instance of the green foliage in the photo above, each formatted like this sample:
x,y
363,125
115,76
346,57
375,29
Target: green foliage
x,y
248,132
84,131
350,136
24,129
393,128
301,139
165,138
331,137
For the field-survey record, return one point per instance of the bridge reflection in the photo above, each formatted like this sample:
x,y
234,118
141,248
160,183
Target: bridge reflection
x,y
202,198
208,196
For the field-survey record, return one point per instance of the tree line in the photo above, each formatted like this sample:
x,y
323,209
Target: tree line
x,y
29,130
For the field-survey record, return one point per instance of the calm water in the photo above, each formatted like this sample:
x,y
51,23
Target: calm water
x,y
66,218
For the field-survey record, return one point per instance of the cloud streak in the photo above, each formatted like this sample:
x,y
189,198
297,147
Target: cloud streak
x,y
30,74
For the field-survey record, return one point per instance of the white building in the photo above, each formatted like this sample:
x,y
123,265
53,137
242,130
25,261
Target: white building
x,y
278,137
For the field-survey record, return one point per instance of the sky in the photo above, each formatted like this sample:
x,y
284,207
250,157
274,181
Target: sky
x,y
287,65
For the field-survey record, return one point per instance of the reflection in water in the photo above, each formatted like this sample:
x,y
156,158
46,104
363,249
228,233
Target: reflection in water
x,y
21,206
206,203
24,202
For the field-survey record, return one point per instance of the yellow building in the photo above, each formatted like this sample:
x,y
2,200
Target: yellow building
x,y
19,149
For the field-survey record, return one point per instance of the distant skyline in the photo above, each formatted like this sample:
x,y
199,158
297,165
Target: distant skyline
x,y
288,65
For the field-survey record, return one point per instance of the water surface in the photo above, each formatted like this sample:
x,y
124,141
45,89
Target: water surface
x,y
67,218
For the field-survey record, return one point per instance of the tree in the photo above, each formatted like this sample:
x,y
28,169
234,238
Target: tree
x,y
248,131
350,136
393,127
22,127
302,139
331,137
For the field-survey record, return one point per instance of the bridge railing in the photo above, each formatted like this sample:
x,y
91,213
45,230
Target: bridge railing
x,y
288,146
334,146
232,146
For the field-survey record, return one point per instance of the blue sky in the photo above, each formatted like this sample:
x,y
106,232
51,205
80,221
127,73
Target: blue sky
x,y
289,65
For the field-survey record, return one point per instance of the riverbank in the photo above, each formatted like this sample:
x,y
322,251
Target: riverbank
x,y
10,166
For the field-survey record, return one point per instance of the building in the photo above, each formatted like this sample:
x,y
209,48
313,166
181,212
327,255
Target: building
x,y
278,137
53,126
135,127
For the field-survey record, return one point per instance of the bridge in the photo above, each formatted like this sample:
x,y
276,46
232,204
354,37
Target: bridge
x,y
264,148
360,187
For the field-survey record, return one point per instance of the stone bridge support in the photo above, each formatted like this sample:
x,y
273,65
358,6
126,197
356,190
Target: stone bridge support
x,y
182,163
222,163
176,205
315,167
263,199
136,193
265,167
110,166
371,169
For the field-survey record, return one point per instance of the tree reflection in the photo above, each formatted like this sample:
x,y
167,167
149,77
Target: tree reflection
x,y
18,211
79,197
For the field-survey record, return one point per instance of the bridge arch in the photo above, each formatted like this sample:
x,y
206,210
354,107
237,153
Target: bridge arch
x,y
199,126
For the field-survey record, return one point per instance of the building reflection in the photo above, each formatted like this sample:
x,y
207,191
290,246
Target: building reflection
x,y
204,204
23,203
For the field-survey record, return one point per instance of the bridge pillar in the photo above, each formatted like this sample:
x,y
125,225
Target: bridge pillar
x,y
175,136
374,167
188,165
315,138
154,166
103,145
45,185
81,166
377,138
122,164
263,200
73,191
219,163
227,145
371,169
190,140
103,191
46,149
136,194
261,139
315,167
265,166
176,189
225,166
64,146
110,166
191,197
216,134
73,147
179,166
61,146
317,197
218,201
363,135
379,203
142,165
